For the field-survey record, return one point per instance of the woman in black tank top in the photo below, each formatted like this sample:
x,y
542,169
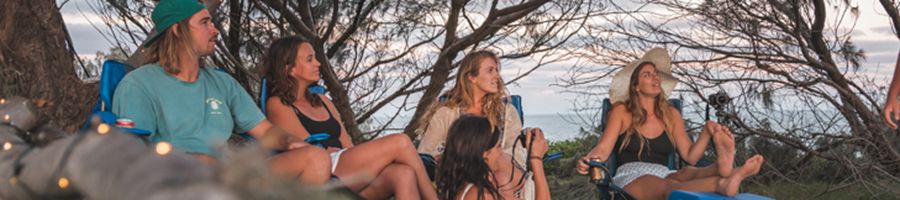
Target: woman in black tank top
x,y
291,67
330,126
643,129
635,152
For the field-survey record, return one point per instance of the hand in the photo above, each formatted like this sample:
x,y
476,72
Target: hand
x,y
709,127
891,112
296,145
582,166
539,146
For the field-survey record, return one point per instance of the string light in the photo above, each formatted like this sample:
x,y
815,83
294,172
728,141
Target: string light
x,y
63,182
7,146
6,118
103,129
13,180
2,101
163,148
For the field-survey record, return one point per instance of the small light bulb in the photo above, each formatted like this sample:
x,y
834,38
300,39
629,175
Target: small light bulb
x,y
63,182
103,129
6,118
2,101
7,146
163,148
13,180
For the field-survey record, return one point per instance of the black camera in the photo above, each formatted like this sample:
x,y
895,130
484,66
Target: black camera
x,y
521,138
719,99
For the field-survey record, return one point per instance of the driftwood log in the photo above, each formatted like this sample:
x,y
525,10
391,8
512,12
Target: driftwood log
x,y
102,162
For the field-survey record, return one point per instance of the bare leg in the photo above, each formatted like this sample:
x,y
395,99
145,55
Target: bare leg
x,y
370,158
652,187
724,143
311,165
396,179
206,159
688,173
727,186
730,185
648,187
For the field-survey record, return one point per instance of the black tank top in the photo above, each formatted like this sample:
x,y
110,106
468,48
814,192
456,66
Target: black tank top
x,y
655,150
329,126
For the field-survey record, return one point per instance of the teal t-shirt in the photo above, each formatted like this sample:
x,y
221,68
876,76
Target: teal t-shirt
x,y
193,116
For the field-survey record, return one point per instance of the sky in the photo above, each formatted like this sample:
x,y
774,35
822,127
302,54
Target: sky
x,y
872,33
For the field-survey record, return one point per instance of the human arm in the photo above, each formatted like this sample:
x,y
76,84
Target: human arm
x,y
891,110
614,127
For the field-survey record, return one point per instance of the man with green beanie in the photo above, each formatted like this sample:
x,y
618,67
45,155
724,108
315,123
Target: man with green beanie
x,y
196,108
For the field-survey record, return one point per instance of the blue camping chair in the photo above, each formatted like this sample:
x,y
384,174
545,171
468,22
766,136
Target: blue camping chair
x,y
112,72
607,190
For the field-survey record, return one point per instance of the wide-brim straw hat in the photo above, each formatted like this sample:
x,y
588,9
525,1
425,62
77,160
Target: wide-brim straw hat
x,y
618,90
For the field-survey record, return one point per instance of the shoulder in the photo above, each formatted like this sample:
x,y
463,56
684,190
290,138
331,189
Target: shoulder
x,y
443,110
511,109
619,109
619,113
274,102
144,72
143,77
674,114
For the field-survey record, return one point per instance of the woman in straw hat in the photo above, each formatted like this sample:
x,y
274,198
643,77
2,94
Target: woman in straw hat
x,y
646,129
197,108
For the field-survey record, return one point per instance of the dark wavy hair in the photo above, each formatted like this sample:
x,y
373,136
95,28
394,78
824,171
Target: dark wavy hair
x,y
463,162
276,66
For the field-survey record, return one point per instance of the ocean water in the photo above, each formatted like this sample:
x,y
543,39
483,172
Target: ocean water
x,y
556,127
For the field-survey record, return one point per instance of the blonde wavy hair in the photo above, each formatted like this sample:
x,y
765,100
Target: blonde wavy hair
x,y
462,96
166,50
639,115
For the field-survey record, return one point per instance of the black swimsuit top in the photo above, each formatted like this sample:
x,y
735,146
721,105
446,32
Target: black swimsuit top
x,y
655,150
329,126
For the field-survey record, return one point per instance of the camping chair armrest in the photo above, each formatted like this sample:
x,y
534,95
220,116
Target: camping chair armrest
x,y
552,156
137,131
599,173
317,139
430,163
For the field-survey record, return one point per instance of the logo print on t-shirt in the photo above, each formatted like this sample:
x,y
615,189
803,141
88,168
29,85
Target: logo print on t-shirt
x,y
214,104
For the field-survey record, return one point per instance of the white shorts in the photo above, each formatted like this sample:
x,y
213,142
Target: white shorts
x,y
632,170
335,157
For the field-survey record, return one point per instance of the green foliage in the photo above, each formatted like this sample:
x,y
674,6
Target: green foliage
x,y
564,182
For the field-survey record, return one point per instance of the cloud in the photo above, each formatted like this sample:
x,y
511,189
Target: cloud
x,y
887,30
86,39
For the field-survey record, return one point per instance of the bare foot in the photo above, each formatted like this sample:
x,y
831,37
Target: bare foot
x,y
729,186
724,141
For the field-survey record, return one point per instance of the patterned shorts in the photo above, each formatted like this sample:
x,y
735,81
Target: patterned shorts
x,y
632,170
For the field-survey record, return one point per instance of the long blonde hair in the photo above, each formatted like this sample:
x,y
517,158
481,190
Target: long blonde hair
x,y
166,50
639,115
461,95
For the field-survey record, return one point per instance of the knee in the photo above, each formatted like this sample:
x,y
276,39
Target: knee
x,y
400,141
402,174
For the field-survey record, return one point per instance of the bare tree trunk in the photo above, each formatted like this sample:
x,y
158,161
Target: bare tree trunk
x,y
890,7
35,61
